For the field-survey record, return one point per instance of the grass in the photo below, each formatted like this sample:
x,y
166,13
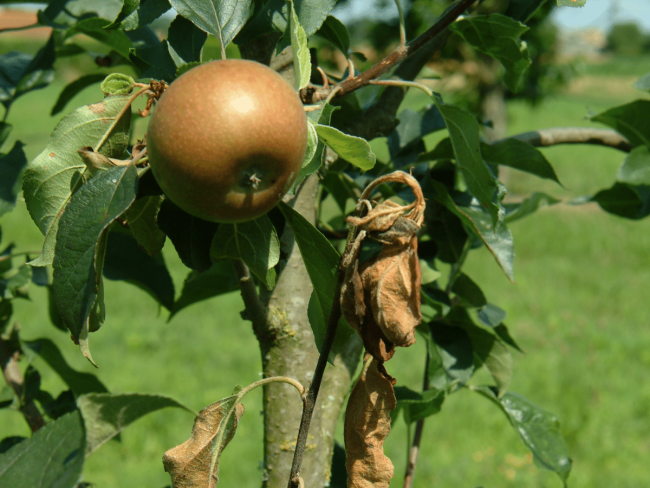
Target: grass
x,y
578,308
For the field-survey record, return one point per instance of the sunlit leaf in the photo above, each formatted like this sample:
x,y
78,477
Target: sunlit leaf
x,y
351,148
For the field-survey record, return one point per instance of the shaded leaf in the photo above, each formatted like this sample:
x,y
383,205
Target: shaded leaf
x,y
539,431
255,242
219,279
410,130
73,88
223,19
106,415
631,202
185,41
503,332
78,382
491,315
20,73
571,3
77,275
630,120
141,218
522,9
636,167
127,262
5,130
497,36
335,32
95,27
468,290
528,206
154,61
321,261
519,155
214,427
15,285
51,178
463,132
52,457
139,13
191,236
415,405
499,241
12,165
351,148
454,346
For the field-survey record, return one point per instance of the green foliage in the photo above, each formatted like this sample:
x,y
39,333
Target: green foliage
x,y
626,39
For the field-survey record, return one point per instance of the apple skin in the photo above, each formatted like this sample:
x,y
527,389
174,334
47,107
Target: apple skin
x,y
227,140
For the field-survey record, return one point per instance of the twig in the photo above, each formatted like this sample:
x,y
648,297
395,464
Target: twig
x,y
573,135
255,310
15,380
311,96
417,438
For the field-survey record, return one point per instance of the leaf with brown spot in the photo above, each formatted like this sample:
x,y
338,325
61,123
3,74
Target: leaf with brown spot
x,y
367,424
190,463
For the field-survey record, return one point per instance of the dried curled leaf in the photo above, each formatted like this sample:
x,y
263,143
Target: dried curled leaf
x,y
189,464
367,424
392,282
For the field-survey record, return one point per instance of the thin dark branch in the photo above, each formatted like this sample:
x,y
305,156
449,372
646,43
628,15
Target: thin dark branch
x,y
574,135
312,95
14,378
417,438
312,393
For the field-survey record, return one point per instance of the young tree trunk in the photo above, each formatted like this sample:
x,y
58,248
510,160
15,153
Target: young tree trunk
x,y
288,349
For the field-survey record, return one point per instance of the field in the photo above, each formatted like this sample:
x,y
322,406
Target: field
x,y
578,309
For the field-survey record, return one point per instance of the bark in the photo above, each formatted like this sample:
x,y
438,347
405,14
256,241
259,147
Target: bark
x,y
288,349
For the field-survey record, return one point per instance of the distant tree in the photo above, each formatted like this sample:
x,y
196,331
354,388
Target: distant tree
x,y
626,39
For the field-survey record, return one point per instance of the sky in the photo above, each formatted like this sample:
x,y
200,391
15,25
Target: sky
x,y
600,14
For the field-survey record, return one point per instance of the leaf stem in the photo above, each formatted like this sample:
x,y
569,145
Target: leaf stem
x,y
417,438
407,84
126,107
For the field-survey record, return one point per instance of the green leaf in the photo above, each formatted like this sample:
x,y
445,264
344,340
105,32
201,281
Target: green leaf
x,y
78,382
468,290
312,13
106,415
96,28
491,315
631,202
117,84
454,347
12,165
219,279
503,332
301,56
16,284
463,132
643,83
192,237
138,13
528,206
50,178
538,429
52,457
493,355
498,241
321,261
519,155
185,41
141,217
351,148
21,73
76,275
255,242
522,10
412,127
571,3
72,89
221,18
5,130
636,167
127,262
498,36
630,120
335,32
416,406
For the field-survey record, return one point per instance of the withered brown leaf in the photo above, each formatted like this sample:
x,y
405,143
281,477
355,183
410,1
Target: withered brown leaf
x,y
367,424
392,282
189,463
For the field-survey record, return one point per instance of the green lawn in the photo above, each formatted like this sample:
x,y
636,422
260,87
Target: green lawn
x,y
578,308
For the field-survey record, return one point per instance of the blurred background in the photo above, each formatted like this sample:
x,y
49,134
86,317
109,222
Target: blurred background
x,y
579,306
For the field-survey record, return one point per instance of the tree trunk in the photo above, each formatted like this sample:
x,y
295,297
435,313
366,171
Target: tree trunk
x,y
288,349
